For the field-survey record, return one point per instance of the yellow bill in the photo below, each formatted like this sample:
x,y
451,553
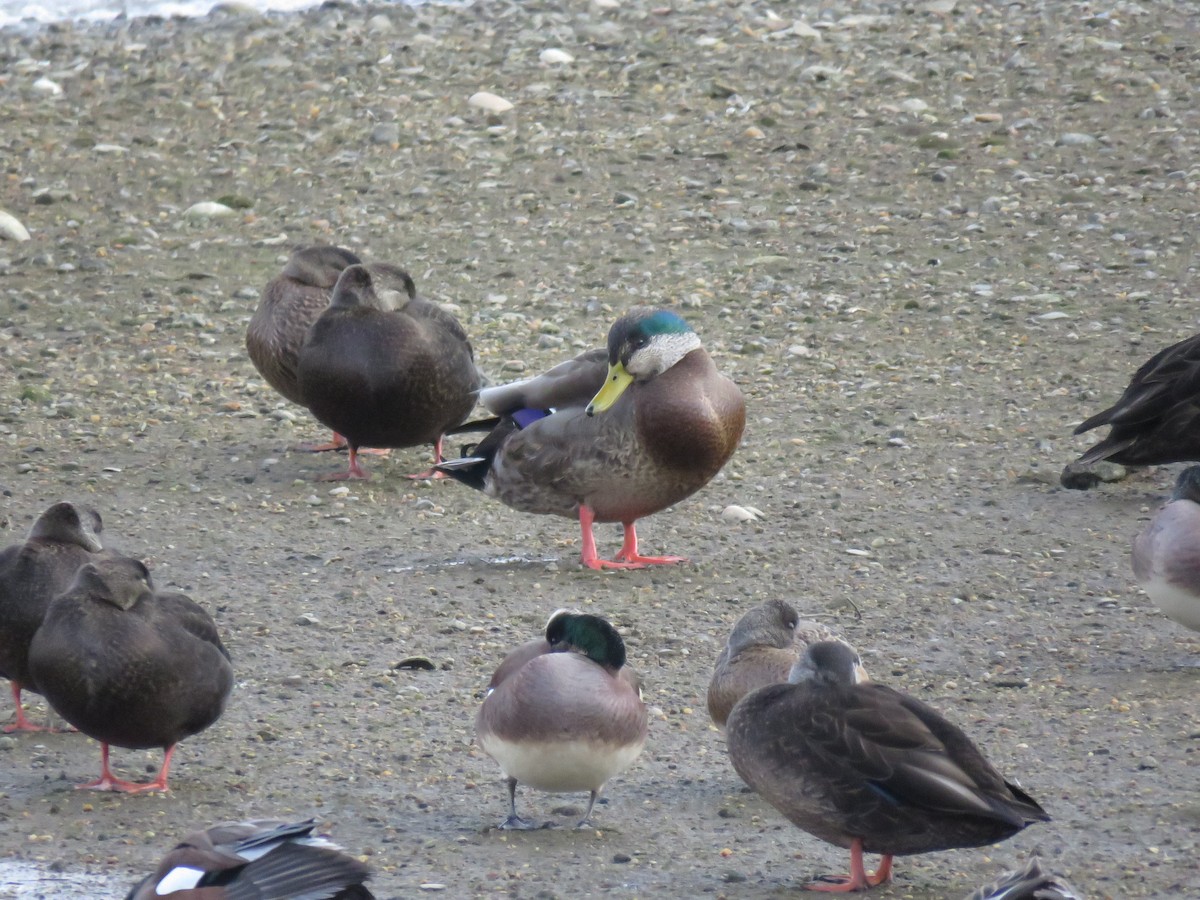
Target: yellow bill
x,y
615,383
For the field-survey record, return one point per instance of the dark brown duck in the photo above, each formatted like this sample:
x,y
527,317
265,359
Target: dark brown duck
x,y
129,666
62,539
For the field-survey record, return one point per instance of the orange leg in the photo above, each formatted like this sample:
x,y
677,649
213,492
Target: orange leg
x,y
858,879
589,557
336,443
109,782
22,723
432,473
629,551
354,472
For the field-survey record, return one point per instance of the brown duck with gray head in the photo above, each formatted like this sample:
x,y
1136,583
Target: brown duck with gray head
x,y
865,767
386,375
290,303
129,666
611,436
62,539
763,647
262,858
562,713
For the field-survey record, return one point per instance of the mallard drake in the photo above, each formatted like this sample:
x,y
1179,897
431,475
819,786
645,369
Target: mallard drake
x,y
562,713
611,436
762,649
62,539
1157,419
260,858
129,666
868,768
1030,883
1166,555
290,303
386,374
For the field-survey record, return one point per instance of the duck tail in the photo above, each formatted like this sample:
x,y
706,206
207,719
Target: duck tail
x,y
473,466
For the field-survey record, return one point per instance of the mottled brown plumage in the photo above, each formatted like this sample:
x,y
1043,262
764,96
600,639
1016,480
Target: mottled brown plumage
x,y
290,303
262,858
62,539
129,666
628,433
868,768
563,713
386,375
763,647
1157,419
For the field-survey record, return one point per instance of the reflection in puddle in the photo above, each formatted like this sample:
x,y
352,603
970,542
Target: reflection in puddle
x,y
516,561
31,881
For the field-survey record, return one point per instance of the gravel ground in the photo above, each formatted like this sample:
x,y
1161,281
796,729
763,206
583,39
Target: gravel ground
x,y
926,239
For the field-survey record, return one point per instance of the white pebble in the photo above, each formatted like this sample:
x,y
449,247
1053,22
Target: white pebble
x,y
489,102
46,86
340,491
735,513
11,229
206,209
554,56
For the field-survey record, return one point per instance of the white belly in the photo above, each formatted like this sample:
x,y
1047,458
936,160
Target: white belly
x,y
561,766
1182,606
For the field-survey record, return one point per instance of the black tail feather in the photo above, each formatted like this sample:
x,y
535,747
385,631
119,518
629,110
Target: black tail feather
x,y
473,467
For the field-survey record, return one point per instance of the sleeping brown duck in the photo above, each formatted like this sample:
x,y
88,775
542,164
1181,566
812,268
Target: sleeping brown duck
x,y
386,375
129,666
290,303
62,539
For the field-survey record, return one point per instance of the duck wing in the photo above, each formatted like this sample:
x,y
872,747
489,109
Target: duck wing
x,y
1170,377
569,384
908,753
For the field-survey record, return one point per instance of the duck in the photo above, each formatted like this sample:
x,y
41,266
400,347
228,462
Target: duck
x,y
563,713
1166,555
64,537
763,646
1032,882
613,435
868,768
130,666
1157,420
289,305
257,858
386,372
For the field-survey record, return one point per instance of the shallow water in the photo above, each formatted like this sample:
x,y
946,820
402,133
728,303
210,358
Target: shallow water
x,y
30,881
13,11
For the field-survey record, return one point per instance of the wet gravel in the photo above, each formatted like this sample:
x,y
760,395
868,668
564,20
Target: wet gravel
x,y
926,239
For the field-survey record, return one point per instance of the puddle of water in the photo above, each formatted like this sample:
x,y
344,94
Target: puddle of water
x,y
478,561
30,881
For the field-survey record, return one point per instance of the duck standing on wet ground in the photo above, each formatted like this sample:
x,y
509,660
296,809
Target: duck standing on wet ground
x,y
865,767
130,666
262,858
1156,420
385,368
62,539
1166,555
763,647
563,713
611,436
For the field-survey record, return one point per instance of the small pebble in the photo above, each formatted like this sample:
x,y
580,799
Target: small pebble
x,y
489,102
